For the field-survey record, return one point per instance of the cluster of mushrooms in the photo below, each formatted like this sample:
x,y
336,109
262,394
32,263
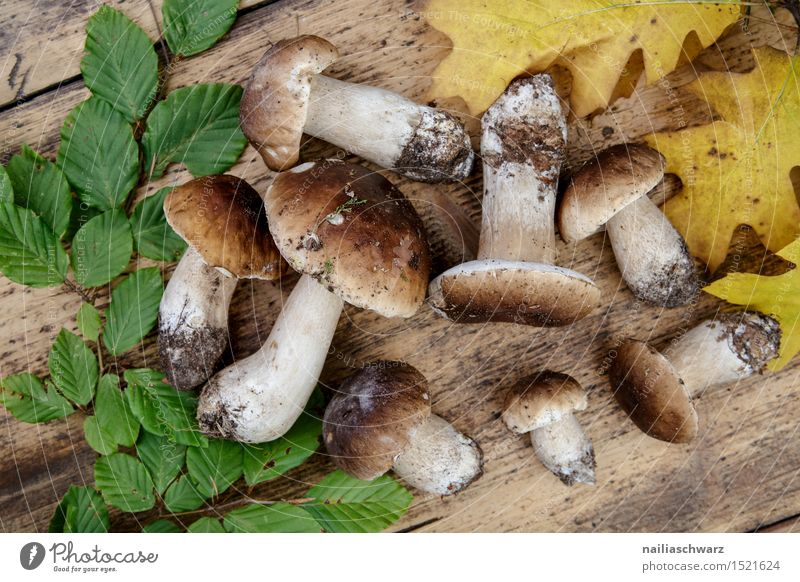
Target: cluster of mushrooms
x,y
354,237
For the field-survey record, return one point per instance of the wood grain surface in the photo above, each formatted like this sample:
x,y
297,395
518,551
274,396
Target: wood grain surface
x,y
741,474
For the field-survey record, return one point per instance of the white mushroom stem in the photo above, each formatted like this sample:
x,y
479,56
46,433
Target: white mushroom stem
x,y
388,129
564,448
652,255
193,320
439,459
259,398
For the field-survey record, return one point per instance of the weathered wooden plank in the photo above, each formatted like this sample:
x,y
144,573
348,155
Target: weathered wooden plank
x,y
741,472
791,525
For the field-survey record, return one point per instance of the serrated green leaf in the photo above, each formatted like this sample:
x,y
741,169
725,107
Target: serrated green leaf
x,y
88,320
6,191
73,367
81,214
30,253
153,236
81,510
215,467
133,310
40,187
97,437
113,413
183,495
266,461
162,457
102,248
161,409
197,126
124,482
98,154
192,26
344,504
277,518
27,399
162,526
206,525
120,65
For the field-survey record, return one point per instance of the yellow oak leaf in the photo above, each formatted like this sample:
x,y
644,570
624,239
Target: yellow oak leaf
x,y
493,42
777,296
738,170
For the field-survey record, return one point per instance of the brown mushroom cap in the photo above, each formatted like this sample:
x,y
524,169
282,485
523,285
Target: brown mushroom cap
x,y
374,416
354,232
605,185
275,101
542,399
513,292
649,390
223,218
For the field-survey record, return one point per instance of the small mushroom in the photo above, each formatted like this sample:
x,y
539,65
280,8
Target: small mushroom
x,y
513,278
656,390
544,406
380,419
611,190
287,96
355,238
222,219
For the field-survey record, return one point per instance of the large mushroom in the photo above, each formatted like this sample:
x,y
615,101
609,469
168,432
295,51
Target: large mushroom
x,y
544,406
656,390
222,219
287,96
355,238
514,278
381,420
611,190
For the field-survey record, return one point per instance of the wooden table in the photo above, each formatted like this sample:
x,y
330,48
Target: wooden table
x,y
741,474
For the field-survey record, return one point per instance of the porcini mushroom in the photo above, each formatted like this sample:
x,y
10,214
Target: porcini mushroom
x,y
222,219
513,278
611,191
287,96
355,238
544,405
656,390
380,419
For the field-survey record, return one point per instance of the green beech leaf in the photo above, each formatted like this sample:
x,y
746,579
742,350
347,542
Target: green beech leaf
x,y
81,511
124,482
102,248
206,525
215,467
41,187
27,399
120,65
162,457
81,214
88,320
266,461
98,154
6,190
73,367
183,495
133,310
113,413
30,253
198,126
161,409
192,26
162,526
277,518
345,504
97,437
153,236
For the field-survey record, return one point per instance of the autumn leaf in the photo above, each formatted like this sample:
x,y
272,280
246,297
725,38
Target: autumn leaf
x,y
493,42
737,170
777,296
